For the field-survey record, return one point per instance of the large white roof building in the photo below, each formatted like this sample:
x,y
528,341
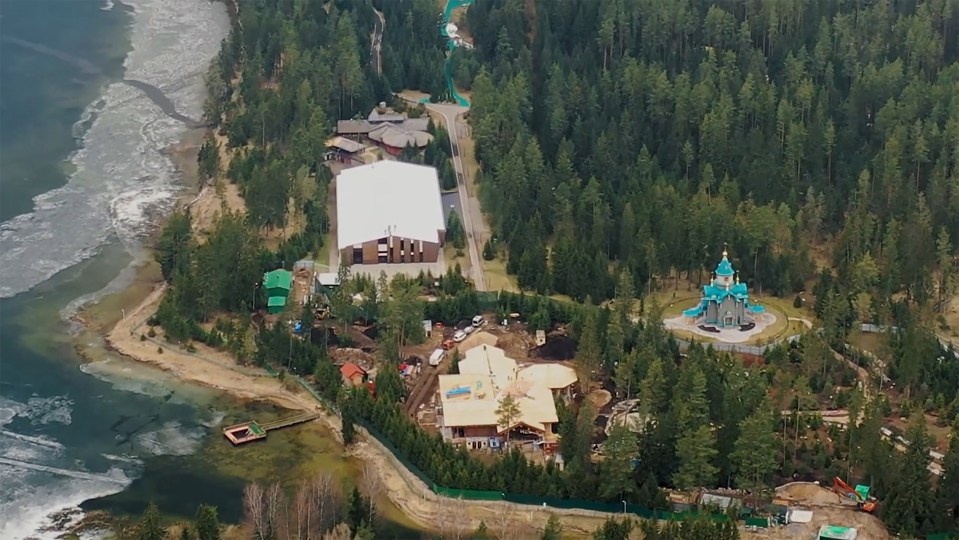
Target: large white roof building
x,y
389,211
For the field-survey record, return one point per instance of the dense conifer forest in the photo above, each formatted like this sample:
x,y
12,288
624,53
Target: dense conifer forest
x,y
652,133
621,145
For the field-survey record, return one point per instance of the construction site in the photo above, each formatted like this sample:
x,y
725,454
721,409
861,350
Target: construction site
x,y
456,377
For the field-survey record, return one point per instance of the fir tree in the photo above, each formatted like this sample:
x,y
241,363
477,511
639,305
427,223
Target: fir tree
x,y
207,523
149,527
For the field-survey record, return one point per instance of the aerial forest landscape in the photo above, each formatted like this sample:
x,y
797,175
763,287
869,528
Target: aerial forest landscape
x,y
511,269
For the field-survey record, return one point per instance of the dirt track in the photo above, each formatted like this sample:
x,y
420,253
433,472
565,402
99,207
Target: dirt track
x,y
827,510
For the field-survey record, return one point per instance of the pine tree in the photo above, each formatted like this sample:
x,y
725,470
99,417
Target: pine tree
x,y
455,234
947,275
947,498
149,527
616,470
481,532
614,529
488,253
588,353
207,523
696,450
908,508
615,342
553,530
346,418
652,391
506,414
756,452
357,514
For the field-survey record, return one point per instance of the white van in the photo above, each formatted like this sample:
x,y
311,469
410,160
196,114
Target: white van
x,y
437,357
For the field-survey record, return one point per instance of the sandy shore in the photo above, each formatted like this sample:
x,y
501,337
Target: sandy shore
x,y
206,366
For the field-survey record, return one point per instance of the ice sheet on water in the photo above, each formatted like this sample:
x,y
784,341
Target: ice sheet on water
x,y
122,179
122,377
48,410
172,439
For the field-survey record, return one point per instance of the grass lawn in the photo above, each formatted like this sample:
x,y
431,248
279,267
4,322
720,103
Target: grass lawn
x,y
784,305
451,257
496,277
322,258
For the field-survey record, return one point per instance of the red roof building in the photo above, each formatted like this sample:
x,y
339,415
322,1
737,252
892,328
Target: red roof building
x,y
352,374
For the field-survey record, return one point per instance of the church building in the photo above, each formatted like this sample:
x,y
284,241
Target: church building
x,y
725,301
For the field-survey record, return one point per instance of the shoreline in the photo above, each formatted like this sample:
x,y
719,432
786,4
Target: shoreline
x,y
137,301
409,494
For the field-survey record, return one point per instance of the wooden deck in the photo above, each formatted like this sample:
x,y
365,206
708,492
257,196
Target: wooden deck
x,y
252,431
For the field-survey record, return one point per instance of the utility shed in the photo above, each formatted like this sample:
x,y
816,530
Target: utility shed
x,y
278,285
835,532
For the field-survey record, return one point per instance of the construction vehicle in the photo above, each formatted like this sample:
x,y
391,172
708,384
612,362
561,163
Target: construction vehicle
x,y
860,494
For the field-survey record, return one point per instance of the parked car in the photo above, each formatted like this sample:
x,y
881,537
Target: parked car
x,y
478,321
437,357
448,344
459,336
469,329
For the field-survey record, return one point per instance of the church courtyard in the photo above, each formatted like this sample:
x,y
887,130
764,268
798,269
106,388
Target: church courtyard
x,y
725,311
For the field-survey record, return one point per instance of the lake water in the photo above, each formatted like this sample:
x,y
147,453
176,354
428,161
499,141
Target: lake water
x,y
83,176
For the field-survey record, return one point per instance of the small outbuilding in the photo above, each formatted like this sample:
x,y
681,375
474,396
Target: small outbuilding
x,y
346,151
278,285
353,374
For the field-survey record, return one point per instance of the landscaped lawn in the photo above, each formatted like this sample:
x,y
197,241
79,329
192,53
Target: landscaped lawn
x,y
496,277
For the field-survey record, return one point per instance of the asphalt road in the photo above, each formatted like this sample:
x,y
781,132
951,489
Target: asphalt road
x,y
451,202
449,114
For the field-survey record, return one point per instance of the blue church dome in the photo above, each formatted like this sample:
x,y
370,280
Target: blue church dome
x,y
725,268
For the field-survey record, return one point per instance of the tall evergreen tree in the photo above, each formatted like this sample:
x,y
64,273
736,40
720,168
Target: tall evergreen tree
x,y
756,452
207,523
149,527
909,506
696,450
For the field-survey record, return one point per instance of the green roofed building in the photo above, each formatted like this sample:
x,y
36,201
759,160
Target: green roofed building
x,y
278,284
834,532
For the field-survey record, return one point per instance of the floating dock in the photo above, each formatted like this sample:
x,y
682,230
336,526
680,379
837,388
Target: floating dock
x,y
252,431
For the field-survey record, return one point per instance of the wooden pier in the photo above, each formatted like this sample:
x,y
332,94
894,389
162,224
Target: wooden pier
x,y
252,431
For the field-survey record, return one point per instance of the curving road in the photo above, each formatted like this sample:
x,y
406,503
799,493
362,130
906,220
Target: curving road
x,y
376,42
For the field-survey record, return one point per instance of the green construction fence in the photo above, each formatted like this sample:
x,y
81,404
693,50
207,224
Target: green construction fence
x,y
533,500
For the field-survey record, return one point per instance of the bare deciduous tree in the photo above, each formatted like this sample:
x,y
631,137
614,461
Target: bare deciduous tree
x,y
315,507
327,500
302,515
253,506
274,503
504,523
449,521
372,485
